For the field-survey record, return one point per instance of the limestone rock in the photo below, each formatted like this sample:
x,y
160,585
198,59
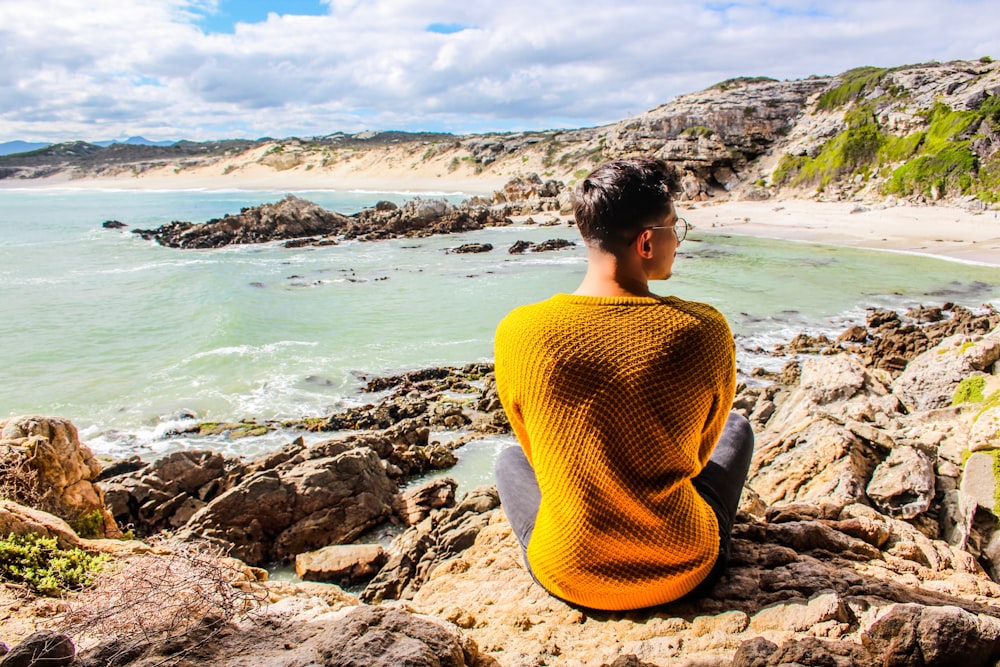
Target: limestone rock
x,y
800,589
985,432
980,479
929,381
344,564
64,469
299,506
903,484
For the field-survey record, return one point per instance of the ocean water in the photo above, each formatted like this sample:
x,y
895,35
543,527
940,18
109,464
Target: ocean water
x,y
128,339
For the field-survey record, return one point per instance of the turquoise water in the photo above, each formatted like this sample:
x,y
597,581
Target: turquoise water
x,y
126,338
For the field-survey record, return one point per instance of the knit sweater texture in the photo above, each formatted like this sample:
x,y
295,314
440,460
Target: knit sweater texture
x,y
618,403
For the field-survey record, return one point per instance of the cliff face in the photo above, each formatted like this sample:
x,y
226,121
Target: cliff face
x,y
927,131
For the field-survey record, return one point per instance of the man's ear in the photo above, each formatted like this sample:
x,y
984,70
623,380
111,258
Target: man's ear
x,y
644,244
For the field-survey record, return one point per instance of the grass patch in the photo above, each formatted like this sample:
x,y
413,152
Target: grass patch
x,y
41,566
853,83
697,131
740,81
969,390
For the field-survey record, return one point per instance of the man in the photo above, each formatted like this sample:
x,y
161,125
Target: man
x,y
630,466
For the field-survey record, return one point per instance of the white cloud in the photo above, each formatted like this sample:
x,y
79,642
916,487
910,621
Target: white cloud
x,y
115,68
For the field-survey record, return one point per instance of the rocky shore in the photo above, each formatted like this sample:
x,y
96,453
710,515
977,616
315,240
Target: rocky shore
x,y
300,223
868,533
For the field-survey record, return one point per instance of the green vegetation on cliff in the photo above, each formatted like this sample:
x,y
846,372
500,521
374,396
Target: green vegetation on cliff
x,y
935,162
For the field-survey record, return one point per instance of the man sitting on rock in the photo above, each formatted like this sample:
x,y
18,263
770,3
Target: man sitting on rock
x,y
630,466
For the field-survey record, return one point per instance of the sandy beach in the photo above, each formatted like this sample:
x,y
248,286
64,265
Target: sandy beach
x,y
944,231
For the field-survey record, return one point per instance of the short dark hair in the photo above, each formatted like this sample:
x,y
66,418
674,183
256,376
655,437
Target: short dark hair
x,y
620,197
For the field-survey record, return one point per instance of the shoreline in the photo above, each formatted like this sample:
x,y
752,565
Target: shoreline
x,y
943,231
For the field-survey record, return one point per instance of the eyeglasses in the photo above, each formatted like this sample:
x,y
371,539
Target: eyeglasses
x,y
680,228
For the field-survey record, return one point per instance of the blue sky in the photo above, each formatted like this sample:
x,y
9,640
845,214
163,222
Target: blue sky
x,y
208,69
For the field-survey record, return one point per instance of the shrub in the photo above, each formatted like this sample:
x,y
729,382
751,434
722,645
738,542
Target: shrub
x,y
168,604
853,83
39,564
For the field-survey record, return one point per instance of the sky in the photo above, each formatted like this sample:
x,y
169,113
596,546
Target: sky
x,y
213,69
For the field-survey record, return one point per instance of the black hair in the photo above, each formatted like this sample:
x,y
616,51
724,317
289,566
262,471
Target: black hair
x,y
620,197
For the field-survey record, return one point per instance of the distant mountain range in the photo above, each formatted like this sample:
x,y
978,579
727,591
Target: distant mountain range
x,y
11,147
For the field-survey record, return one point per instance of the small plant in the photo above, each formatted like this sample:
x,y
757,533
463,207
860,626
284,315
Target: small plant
x,y
986,60
40,565
969,390
89,524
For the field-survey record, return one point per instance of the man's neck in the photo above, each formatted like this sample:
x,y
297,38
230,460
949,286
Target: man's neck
x,y
607,275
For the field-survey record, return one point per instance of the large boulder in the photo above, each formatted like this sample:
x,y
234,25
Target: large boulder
x,y
821,442
930,380
57,472
327,494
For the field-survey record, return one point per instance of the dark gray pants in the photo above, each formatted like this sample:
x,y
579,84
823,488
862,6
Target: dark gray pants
x,y
720,484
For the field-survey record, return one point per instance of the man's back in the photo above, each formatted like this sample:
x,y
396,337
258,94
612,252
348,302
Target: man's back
x,y
617,403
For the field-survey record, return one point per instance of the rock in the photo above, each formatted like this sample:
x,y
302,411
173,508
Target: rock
x,y
62,471
929,381
415,504
798,591
331,497
44,648
344,564
472,248
814,459
520,247
552,244
113,224
912,634
166,493
829,379
300,222
21,520
424,546
980,479
985,432
289,218
903,484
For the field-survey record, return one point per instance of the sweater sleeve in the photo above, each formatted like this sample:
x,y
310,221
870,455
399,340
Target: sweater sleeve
x,y
505,363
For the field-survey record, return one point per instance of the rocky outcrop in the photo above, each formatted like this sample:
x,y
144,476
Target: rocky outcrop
x,y
930,380
301,223
326,494
420,549
44,463
289,218
714,134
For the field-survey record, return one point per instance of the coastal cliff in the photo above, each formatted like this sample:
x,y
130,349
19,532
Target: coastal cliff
x,y
921,132
867,534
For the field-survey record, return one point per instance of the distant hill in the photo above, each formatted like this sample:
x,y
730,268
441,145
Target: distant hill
x,y
917,132
136,141
10,147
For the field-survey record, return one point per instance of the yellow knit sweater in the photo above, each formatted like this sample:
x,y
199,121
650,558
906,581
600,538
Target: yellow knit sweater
x,y
618,403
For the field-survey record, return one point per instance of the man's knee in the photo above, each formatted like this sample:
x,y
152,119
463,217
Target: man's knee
x,y
740,428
